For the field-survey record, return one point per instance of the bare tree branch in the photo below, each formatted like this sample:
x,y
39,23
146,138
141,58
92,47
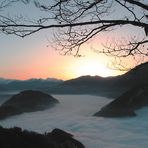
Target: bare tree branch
x,y
137,3
78,21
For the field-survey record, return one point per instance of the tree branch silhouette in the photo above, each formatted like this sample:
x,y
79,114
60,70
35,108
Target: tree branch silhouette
x,y
78,21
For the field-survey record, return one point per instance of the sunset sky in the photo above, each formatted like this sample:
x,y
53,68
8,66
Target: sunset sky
x,y
33,57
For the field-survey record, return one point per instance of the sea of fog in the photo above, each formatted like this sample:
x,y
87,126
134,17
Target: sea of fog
x,y
74,114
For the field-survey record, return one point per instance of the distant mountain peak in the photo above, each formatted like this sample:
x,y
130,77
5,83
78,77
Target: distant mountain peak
x,y
5,81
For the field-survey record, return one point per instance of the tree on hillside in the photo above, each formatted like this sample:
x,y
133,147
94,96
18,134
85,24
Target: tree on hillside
x,y
78,21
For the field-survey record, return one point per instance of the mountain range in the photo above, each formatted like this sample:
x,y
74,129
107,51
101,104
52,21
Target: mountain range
x,y
110,86
35,84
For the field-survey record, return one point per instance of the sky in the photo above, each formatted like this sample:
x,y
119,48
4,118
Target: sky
x,y
34,57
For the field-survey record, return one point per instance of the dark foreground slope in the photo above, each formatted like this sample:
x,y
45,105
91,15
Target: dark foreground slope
x,y
26,101
18,138
127,103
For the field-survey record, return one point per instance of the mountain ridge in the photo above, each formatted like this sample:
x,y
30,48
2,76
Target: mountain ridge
x,y
114,85
33,83
111,86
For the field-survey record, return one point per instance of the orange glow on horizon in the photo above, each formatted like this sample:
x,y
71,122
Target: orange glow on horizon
x,y
46,63
93,66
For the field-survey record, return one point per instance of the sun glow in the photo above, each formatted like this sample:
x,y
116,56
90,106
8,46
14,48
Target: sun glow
x,y
92,67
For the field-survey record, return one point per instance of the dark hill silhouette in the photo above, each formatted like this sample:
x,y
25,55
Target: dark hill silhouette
x,y
136,76
84,80
85,85
110,86
18,138
127,103
26,101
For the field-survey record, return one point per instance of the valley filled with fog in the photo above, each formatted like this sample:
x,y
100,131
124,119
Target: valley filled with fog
x,y
74,114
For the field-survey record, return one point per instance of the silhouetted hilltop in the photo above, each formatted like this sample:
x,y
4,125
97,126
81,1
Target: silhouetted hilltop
x,y
110,86
139,73
127,103
84,85
84,80
26,101
18,138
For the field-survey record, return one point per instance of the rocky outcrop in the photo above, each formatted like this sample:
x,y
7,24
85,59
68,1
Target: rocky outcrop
x,y
18,138
65,139
26,101
127,103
